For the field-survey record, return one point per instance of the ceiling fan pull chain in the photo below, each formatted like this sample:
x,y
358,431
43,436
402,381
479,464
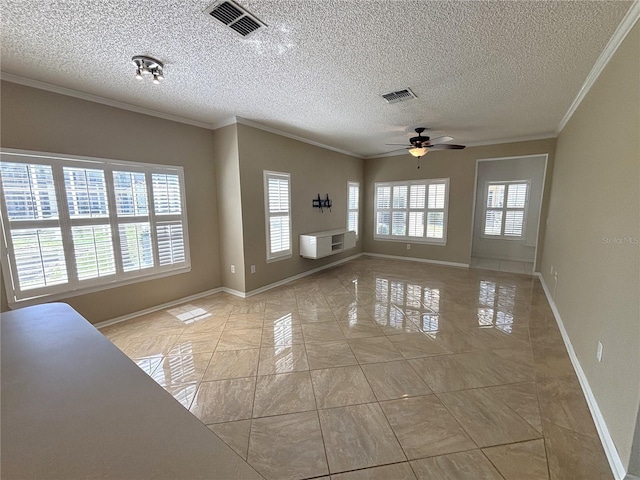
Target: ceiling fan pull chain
x,y
418,163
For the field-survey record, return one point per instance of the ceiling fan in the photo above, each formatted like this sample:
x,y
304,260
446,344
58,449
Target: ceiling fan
x,y
421,144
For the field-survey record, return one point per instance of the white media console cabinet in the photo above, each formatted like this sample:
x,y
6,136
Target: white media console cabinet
x,y
323,244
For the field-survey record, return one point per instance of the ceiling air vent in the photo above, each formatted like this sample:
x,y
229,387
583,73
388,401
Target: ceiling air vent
x,y
399,96
235,17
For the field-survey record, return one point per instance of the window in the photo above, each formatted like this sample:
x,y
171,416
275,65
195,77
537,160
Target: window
x,y
73,225
277,201
505,209
353,204
414,211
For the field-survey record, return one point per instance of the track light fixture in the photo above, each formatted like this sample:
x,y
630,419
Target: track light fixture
x,y
148,66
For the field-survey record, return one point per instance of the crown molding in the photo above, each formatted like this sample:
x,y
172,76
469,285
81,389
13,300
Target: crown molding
x,y
530,138
526,138
259,126
224,123
627,23
29,82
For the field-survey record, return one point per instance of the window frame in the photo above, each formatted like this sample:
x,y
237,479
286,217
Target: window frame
x,y
406,238
353,210
504,209
284,254
65,222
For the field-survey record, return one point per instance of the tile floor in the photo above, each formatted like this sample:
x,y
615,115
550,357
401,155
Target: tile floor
x,y
510,266
379,369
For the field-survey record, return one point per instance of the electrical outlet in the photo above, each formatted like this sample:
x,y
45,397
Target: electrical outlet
x,y
599,351
408,246
253,269
233,269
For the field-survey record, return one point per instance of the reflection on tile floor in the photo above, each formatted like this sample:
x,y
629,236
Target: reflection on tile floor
x,y
379,369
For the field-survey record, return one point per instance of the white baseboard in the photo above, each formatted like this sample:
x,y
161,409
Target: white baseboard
x,y
499,257
416,259
236,293
296,277
155,308
605,437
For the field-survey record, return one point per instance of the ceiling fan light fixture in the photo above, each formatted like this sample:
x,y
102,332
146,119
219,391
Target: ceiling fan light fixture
x,y
418,152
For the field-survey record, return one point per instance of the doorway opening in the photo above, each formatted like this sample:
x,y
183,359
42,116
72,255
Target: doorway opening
x,y
507,209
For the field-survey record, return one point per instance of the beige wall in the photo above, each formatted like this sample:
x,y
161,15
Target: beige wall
x,y
313,170
33,119
592,238
225,142
460,167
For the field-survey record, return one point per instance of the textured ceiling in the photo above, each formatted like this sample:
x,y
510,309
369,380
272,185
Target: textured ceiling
x,y
482,71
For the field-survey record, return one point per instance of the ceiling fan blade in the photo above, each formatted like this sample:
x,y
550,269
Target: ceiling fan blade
x,y
438,140
398,149
444,146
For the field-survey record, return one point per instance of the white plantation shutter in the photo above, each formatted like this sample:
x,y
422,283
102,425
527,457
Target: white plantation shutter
x,y
495,196
88,207
166,194
517,195
131,193
39,257
383,197
278,214
74,224
29,191
93,247
417,197
505,209
436,196
353,206
435,224
513,223
493,222
31,218
435,210
136,247
400,196
170,243
412,211
170,228
399,224
383,222
416,224
86,192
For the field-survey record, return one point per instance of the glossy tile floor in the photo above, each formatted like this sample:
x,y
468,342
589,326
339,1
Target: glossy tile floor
x,y
379,369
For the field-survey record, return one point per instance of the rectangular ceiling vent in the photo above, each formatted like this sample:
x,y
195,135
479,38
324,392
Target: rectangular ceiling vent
x,y
399,96
235,17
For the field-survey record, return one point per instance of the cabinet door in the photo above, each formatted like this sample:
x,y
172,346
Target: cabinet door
x,y
323,247
349,240
308,246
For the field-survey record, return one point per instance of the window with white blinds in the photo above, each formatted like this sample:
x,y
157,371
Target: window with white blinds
x,y
505,209
72,225
353,206
277,201
413,211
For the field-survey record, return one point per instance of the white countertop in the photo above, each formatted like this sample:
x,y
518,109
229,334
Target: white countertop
x,y
75,407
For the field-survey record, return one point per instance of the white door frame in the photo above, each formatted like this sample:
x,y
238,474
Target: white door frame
x,y
475,193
